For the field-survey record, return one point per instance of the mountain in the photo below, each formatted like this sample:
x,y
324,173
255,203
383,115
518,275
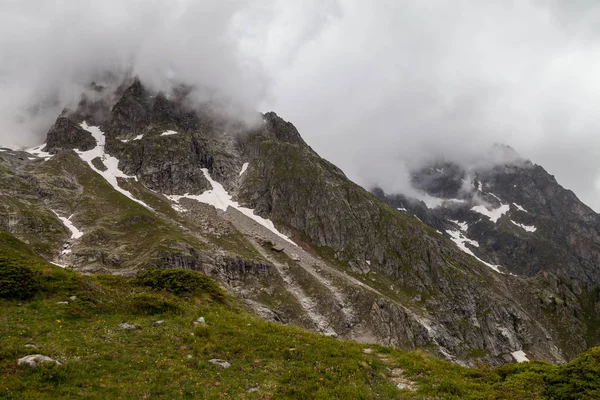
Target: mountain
x,y
515,217
133,180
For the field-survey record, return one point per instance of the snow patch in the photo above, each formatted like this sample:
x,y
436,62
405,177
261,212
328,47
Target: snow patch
x,y
138,137
462,225
220,199
528,228
244,168
495,214
497,198
461,241
37,151
57,264
480,186
169,133
519,207
520,356
401,209
111,163
75,233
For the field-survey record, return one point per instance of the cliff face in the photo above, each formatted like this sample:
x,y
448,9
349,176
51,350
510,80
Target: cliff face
x,y
169,186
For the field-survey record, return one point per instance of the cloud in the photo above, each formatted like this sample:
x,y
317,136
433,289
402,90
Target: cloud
x,y
51,49
389,84
376,87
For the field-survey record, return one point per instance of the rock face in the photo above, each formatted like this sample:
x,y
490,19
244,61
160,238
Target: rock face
x,y
36,360
66,134
354,267
539,230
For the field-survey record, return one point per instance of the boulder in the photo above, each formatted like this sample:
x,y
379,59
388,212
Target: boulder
x,y
220,363
35,360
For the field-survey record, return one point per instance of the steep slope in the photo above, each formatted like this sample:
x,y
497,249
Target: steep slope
x,y
254,206
517,217
185,338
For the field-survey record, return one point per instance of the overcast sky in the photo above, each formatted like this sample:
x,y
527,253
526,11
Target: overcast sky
x,y
372,86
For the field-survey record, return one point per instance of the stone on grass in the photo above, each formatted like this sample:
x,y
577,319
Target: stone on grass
x,y
35,360
199,321
126,326
62,303
220,363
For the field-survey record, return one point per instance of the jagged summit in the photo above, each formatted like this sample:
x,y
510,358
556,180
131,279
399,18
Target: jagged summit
x,y
517,215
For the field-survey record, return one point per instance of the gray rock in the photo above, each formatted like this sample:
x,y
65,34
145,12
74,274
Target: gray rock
x,y
35,360
126,326
66,134
220,363
62,302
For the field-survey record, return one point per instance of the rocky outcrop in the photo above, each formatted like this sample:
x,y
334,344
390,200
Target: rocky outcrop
x,y
66,134
36,360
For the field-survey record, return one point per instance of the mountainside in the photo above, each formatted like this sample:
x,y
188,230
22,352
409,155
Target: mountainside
x,y
175,334
140,180
515,217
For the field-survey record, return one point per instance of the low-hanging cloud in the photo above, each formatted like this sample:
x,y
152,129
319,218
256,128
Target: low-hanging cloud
x,y
376,87
389,84
52,49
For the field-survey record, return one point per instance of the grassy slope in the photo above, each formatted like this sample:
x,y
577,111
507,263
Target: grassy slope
x,y
274,360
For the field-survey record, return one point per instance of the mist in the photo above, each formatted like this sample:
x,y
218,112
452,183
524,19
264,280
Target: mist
x,y
378,88
52,50
389,85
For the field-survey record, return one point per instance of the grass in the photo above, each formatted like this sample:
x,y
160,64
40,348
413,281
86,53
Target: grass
x,y
268,360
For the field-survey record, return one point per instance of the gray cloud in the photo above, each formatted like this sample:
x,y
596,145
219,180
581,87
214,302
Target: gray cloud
x,y
376,87
51,49
388,84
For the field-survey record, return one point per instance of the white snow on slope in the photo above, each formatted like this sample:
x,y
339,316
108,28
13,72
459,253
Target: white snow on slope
x,y
520,356
57,264
480,186
37,151
463,225
244,168
168,133
519,207
461,242
138,137
495,214
528,228
220,199
401,209
111,163
497,198
75,233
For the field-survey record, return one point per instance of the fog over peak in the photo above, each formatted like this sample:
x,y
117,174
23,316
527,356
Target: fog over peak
x,y
376,87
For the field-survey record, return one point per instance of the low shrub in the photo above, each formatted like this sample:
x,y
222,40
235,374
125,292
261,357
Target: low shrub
x,y
179,282
17,281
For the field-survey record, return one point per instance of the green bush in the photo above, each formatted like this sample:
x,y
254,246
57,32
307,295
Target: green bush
x,y
148,304
579,379
17,281
180,281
